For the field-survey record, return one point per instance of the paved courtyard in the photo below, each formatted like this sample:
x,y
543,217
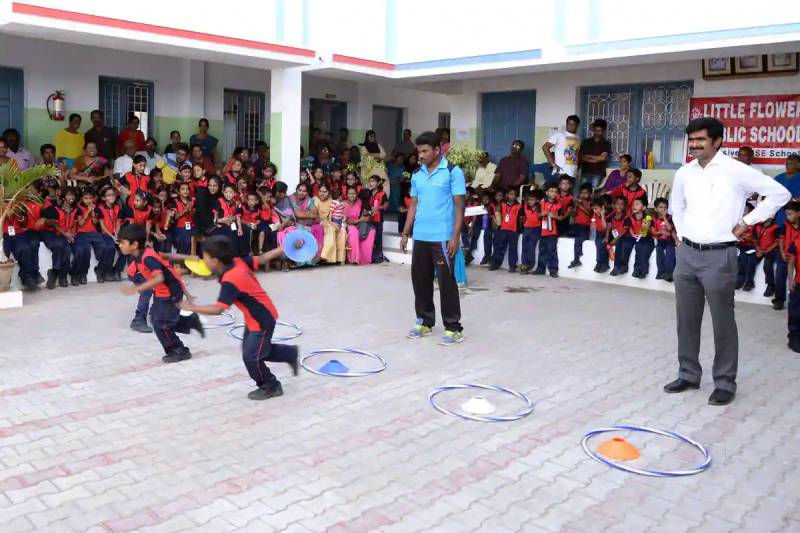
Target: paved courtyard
x,y
96,434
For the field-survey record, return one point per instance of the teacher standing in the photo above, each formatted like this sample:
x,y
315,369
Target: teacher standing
x,y
708,199
436,213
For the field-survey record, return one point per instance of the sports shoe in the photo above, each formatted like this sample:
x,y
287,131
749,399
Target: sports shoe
x,y
140,326
419,331
52,277
75,280
451,337
83,279
777,305
181,354
553,274
195,324
265,392
575,263
512,270
293,361
769,292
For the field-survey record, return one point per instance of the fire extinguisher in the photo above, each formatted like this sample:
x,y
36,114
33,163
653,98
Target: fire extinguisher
x,y
55,105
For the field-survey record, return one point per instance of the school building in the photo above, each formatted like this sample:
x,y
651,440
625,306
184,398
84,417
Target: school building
x,y
273,69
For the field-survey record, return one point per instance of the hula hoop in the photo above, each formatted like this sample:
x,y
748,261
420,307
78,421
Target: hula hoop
x,y
352,374
510,418
231,320
652,473
297,332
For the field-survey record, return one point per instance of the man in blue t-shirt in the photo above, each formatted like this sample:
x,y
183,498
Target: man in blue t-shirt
x,y
791,180
435,214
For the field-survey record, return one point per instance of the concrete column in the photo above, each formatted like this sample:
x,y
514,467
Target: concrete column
x,y
285,106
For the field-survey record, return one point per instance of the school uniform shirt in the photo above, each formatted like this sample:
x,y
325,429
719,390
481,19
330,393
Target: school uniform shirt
x,y
583,214
532,217
109,215
746,241
765,236
639,226
549,211
135,183
268,214
88,225
630,194
618,226
600,223
13,226
792,249
509,216
240,287
183,214
65,220
788,235
149,264
225,209
270,183
660,225
140,216
377,201
251,215
566,201
160,219
33,215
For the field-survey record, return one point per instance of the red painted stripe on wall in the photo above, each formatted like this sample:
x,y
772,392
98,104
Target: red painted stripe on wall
x,y
84,18
363,62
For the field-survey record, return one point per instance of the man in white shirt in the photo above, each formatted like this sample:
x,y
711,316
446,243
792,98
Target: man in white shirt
x,y
484,174
124,163
708,197
16,152
150,154
561,150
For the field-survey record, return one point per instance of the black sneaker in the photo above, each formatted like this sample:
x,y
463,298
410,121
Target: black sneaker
x,y
603,270
659,276
63,280
265,392
140,326
293,362
738,286
794,345
512,270
83,279
494,267
51,279
75,280
614,272
537,272
39,279
770,292
469,259
667,277
485,261
117,276
195,324
181,354
575,263
749,286
553,274
778,306
30,285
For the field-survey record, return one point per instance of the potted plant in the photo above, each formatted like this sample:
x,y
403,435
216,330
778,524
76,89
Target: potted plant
x,y
16,190
465,157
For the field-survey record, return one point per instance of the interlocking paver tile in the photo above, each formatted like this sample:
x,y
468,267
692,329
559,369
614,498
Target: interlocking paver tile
x,y
107,438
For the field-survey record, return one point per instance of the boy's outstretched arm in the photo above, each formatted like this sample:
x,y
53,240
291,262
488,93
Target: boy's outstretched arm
x,y
211,309
266,257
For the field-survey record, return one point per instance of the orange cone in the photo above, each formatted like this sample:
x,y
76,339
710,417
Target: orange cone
x,y
618,449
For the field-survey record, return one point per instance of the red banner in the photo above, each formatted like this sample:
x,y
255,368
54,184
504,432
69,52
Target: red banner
x,y
769,124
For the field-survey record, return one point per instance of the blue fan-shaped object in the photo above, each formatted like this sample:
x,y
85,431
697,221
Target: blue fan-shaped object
x,y
334,367
304,253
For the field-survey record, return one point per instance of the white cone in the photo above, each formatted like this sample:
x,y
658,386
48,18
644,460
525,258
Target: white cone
x,y
478,406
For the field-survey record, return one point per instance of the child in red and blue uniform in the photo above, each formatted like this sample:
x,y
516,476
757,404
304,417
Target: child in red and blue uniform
x,y
251,219
581,225
786,236
766,240
240,287
58,236
618,235
793,254
16,244
746,269
631,190
485,221
87,238
168,291
641,231
470,229
552,212
598,224
378,204
183,210
111,218
531,230
136,180
664,232
506,236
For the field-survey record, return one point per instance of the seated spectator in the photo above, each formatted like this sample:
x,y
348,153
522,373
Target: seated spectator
x,y
124,163
131,133
69,141
150,155
91,168
174,142
484,174
360,233
207,142
307,215
617,177
15,151
331,217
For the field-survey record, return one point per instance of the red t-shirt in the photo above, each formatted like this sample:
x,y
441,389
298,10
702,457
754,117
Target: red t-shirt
x,y
240,287
583,213
34,214
141,216
532,217
790,234
251,215
637,225
549,210
630,195
566,201
183,214
110,216
88,225
135,184
377,200
618,226
137,137
600,223
509,216
765,235
150,263
661,225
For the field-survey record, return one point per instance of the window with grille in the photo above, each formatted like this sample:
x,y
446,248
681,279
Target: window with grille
x,y
641,119
243,119
119,98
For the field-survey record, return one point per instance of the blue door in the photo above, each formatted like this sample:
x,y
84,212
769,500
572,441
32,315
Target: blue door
x,y
11,99
507,116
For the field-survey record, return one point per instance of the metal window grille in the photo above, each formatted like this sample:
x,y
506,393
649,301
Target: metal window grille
x,y
119,98
641,119
243,119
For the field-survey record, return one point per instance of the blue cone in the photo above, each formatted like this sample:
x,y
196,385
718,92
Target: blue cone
x,y
333,367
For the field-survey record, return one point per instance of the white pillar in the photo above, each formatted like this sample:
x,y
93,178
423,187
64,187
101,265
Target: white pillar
x,y
285,114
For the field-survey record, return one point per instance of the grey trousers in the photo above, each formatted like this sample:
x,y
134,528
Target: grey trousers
x,y
700,277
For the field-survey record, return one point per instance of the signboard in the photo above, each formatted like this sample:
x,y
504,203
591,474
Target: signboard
x,y
769,124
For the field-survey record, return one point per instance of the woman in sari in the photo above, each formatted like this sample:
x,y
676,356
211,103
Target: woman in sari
x,y
373,158
91,169
334,243
360,233
307,216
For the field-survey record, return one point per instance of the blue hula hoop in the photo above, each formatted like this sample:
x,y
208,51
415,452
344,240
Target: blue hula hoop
x,y
219,325
297,332
351,374
522,414
652,473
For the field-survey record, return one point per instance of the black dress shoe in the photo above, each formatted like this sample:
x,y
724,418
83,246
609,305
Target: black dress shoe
x,y
293,360
778,306
196,324
794,345
266,392
721,397
680,385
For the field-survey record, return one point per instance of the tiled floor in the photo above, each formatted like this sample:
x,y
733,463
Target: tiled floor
x,y
96,434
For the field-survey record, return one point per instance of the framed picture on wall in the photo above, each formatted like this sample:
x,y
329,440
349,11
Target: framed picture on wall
x,y
749,64
782,62
717,66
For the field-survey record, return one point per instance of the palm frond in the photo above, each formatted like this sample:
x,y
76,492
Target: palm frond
x,y
12,179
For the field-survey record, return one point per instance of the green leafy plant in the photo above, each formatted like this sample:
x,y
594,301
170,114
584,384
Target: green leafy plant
x,y
465,157
17,191
370,166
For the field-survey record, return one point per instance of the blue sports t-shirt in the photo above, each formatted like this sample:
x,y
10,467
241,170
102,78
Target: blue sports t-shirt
x,y
434,192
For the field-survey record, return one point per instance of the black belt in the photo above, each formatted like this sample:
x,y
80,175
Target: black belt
x,y
712,246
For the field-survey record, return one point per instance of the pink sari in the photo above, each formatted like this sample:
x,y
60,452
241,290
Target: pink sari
x,y
360,252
